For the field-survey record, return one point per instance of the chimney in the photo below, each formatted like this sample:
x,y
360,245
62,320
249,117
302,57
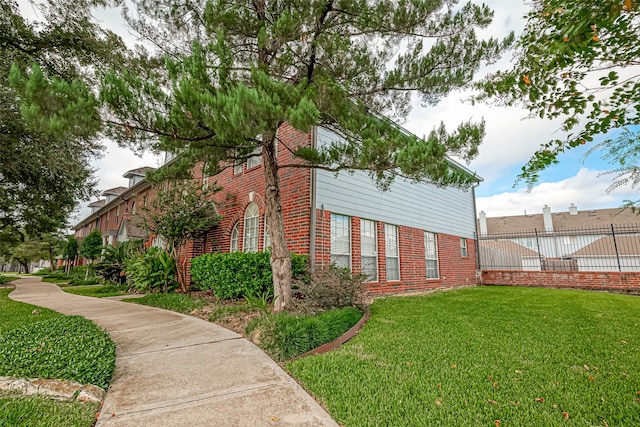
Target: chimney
x,y
483,223
573,209
546,215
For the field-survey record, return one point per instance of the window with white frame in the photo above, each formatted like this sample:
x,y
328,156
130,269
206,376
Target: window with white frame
x,y
369,249
237,167
463,247
256,158
431,254
235,232
267,236
392,252
251,225
341,240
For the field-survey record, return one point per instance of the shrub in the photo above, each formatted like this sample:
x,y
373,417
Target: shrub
x,y
112,265
5,279
152,271
234,275
68,347
330,287
285,336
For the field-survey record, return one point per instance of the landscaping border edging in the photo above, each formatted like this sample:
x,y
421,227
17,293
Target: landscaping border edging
x,y
332,345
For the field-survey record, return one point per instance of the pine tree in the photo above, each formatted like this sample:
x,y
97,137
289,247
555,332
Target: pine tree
x,y
235,71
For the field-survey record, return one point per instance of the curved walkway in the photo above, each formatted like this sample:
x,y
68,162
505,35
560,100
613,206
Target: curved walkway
x,y
176,370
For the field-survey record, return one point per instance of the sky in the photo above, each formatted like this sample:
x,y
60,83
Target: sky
x,y
510,140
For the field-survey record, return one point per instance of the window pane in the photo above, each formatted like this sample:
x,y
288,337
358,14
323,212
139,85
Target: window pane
x,y
340,240
251,228
369,249
234,239
463,247
370,268
391,236
340,261
431,254
393,269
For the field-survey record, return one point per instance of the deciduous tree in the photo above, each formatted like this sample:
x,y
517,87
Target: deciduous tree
x,y
180,211
578,61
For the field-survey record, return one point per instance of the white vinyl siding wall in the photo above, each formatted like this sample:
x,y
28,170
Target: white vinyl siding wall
x,y
422,206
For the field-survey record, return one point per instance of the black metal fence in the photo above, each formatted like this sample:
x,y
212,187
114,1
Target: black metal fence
x,y
602,248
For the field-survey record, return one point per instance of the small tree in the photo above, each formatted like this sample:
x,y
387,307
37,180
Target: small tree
x,y
70,252
91,247
28,251
180,212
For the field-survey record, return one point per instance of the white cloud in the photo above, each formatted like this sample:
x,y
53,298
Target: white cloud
x,y
587,190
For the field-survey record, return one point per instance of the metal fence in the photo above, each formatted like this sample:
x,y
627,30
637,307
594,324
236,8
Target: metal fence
x,y
601,248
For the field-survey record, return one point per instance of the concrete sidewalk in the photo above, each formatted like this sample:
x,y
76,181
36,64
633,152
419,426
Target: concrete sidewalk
x,y
176,370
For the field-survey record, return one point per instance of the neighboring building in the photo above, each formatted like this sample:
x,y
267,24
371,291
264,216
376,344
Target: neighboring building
x,y
112,216
592,240
412,237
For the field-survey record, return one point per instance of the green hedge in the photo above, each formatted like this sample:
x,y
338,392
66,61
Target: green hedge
x,y
236,274
285,336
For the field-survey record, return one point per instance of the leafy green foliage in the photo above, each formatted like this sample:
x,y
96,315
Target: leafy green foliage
x,y
577,61
181,210
40,411
36,342
151,271
70,250
284,335
112,264
13,314
236,274
471,356
91,246
181,303
6,279
48,114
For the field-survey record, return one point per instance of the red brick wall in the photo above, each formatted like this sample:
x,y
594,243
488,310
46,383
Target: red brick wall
x,y
232,200
454,269
609,281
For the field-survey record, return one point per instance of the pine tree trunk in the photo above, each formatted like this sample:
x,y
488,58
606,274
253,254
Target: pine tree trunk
x,y
280,255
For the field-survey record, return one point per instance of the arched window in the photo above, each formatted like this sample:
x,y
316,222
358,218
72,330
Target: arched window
x,y
234,238
251,217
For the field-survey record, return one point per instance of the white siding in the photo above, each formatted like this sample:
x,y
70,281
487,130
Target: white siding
x,y
422,206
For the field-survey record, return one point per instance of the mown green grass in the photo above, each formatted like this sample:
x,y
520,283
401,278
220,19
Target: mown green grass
x,y
98,291
39,343
39,411
471,357
181,303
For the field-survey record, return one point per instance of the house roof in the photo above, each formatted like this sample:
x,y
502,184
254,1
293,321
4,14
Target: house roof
x,y
507,246
97,203
116,191
138,172
133,229
563,220
624,245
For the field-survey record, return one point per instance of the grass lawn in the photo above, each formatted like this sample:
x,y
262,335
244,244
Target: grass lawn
x,y
181,303
98,291
40,343
486,356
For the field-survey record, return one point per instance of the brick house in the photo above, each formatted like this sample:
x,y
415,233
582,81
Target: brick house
x,y
412,237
